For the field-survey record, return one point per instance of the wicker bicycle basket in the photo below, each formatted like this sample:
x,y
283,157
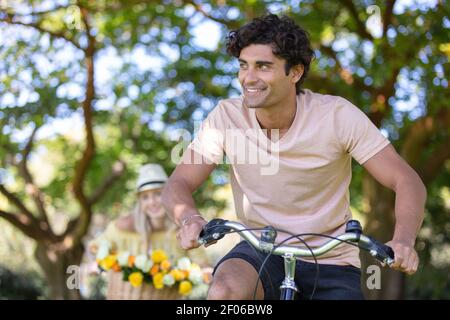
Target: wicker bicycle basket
x,y
123,290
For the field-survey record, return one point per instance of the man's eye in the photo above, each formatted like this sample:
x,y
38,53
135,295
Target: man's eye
x,y
264,67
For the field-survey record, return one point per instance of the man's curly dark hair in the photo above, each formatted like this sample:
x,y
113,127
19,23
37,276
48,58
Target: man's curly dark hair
x,y
289,41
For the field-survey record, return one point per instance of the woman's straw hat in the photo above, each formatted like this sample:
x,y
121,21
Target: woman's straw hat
x,y
151,176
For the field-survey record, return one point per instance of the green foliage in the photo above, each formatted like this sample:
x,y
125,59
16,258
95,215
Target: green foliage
x,y
138,107
19,286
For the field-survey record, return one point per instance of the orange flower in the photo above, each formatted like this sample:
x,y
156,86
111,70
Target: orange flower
x,y
165,265
154,270
207,277
131,261
116,267
178,275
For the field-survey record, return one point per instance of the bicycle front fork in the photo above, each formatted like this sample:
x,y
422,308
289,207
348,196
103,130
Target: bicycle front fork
x,y
288,287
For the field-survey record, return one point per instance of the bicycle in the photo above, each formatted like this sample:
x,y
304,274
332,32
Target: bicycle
x,y
218,228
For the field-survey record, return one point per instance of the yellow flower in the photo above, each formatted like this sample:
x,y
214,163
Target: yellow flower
x,y
158,282
136,279
185,287
165,265
108,262
178,275
158,256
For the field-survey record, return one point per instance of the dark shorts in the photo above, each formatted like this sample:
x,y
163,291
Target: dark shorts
x,y
334,282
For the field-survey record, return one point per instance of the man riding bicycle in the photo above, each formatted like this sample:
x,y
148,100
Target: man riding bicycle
x,y
296,170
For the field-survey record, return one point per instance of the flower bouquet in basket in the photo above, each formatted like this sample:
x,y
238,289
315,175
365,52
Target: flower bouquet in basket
x,y
155,269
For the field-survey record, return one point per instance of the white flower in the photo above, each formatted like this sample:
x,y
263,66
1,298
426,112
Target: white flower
x,y
199,292
148,265
184,263
195,275
143,263
105,243
195,266
123,258
168,280
103,249
140,261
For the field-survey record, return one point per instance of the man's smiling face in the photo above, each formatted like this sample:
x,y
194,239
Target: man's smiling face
x,y
263,78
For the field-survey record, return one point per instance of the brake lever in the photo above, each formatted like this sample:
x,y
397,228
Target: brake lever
x,y
381,252
213,231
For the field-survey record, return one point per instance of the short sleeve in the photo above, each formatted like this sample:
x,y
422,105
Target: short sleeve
x,y
357,135
209,140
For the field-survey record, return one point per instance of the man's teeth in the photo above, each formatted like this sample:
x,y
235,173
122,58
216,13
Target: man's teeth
x,y
254,90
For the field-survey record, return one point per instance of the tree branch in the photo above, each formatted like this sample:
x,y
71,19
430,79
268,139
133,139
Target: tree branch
x,y
345,74
21,222
25,221
89,151
117,171
33,13
17,203
420,133
380,106
387,16
360,27
56,35
198,7
435,161
31,188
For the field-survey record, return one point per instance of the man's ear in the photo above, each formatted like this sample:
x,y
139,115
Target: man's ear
x,y
296,72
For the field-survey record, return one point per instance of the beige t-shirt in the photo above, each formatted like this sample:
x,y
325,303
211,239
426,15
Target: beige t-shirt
x,y
301,182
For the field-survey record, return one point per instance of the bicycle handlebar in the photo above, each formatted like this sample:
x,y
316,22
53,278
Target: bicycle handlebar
x,y
217,228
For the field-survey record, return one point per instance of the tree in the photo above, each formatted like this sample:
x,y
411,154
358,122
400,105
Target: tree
x,y
39,86
54,252
384,58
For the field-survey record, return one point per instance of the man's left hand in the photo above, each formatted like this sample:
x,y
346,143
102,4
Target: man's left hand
x,y
406,257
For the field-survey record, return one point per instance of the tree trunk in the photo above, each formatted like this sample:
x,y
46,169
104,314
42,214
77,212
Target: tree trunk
x,y
55,265
380,225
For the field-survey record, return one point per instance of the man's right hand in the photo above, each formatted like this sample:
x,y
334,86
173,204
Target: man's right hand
x,y
189,233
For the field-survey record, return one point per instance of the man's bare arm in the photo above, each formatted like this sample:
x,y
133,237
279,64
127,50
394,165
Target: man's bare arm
x,y
388,168
178,201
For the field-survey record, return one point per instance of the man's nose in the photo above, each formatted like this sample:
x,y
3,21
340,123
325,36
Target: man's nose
x,y
249,76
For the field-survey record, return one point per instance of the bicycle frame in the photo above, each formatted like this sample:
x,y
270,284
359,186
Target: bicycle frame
x,y
288,287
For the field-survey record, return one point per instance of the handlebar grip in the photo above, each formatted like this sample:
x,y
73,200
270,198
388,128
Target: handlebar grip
x,y
388,250
384,253
212,231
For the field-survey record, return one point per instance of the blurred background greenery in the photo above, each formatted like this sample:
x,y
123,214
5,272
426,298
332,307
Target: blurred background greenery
x,y
90,90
